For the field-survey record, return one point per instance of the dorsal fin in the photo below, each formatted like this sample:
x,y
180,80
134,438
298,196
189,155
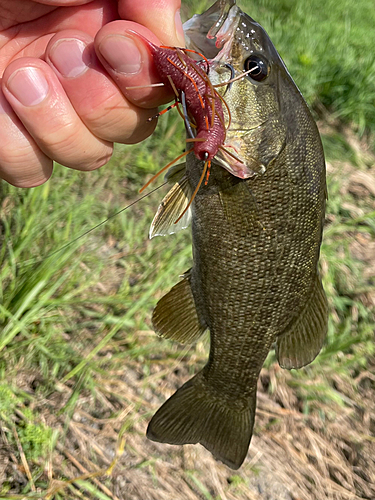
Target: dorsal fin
x,y
302,342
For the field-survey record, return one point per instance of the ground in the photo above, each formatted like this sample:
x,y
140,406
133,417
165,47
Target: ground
x,y
75,409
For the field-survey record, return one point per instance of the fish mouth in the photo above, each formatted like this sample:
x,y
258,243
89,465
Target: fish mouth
x,y
211,33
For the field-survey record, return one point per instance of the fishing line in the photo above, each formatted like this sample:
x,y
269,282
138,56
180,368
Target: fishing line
x,y
33,261
187,123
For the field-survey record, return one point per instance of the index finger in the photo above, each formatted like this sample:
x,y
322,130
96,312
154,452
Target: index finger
x,y
162,17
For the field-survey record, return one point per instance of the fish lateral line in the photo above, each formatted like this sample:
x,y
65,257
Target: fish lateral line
x,y
85,233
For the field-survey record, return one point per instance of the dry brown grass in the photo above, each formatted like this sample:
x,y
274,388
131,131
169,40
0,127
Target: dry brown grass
x,y
328,454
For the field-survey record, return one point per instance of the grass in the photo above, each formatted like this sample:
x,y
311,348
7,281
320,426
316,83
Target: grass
x,y
80,368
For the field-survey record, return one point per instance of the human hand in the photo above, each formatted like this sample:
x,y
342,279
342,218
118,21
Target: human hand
x,y
65,67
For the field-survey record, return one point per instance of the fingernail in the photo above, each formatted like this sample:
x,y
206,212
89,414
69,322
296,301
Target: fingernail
x,y
28,85
179,28
121,53
70,57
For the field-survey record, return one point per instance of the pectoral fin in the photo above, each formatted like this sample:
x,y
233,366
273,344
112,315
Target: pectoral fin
x,y
302,342
175,173
171,207
175,315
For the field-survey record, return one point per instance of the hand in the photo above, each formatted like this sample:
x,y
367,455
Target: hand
x,y
66,65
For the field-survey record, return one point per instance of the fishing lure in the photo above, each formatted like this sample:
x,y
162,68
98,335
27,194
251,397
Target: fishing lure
x,y
202,106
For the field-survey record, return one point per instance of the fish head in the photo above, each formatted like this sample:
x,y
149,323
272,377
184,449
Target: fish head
x,y
260,101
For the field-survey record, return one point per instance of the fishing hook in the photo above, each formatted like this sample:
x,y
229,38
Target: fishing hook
x,y
184,109
232,75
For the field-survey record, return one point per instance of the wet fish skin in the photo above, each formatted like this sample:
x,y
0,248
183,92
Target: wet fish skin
x,y
256,244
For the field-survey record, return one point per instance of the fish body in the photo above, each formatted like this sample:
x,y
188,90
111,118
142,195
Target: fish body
x,y
257,229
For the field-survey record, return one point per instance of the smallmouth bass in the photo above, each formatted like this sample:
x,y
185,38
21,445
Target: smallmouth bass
x,y
257,229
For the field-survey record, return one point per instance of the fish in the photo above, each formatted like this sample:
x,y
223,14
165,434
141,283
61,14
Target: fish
x,y
257,228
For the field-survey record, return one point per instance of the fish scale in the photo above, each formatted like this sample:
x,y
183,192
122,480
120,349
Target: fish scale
x,y
256,233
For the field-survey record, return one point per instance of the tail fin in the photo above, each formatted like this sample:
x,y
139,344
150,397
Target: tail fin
x,y
194,414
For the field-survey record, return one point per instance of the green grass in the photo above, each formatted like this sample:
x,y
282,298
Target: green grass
x,y
70,319
56,320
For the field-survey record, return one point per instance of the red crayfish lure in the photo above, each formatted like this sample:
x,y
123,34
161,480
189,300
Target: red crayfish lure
x,y
202,105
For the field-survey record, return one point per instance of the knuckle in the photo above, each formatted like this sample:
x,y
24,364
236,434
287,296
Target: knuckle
x,y
76,147
17,157
96,163
89,159
24,169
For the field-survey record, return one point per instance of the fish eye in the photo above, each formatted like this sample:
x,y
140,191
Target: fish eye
x,y
258,68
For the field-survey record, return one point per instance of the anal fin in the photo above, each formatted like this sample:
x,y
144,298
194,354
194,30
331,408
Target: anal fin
x,y
301,343
175,315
